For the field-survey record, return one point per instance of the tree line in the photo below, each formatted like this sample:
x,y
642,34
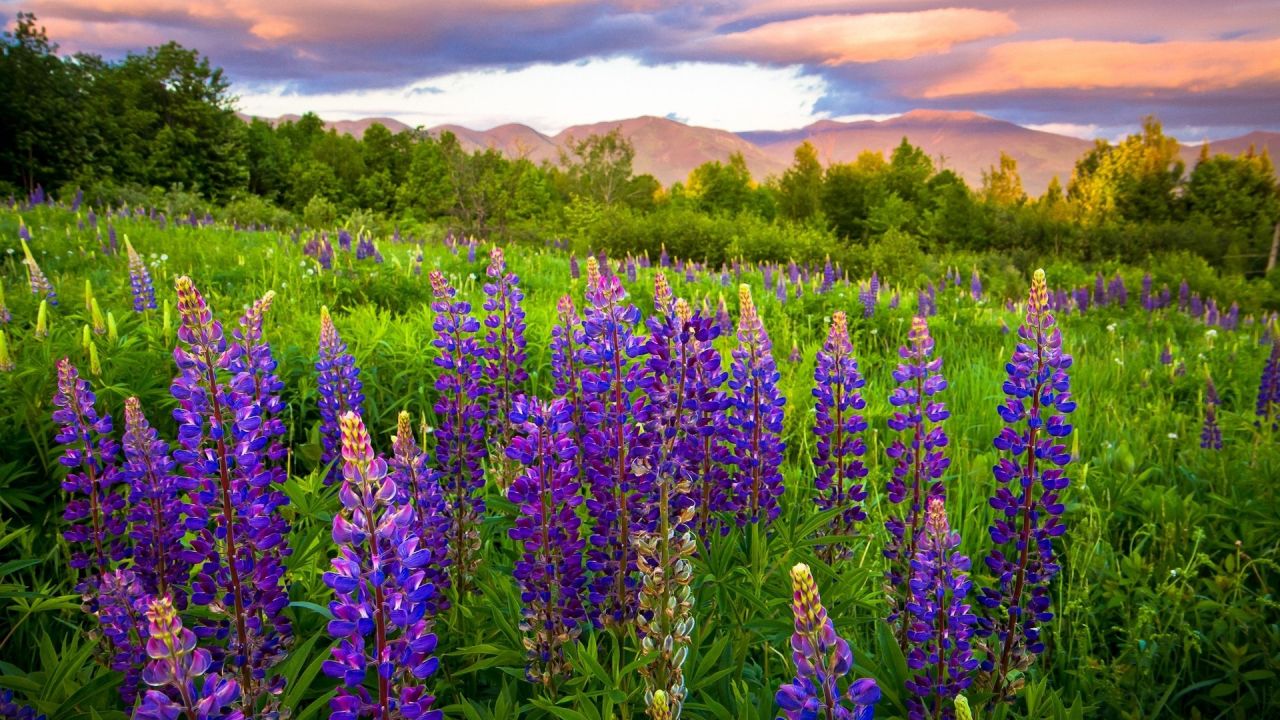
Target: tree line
x,y
160,127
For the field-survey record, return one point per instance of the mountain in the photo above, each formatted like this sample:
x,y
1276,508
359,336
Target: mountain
x,y
354,128
965,142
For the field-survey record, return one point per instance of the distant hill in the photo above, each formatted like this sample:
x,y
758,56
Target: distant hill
x,y
354,128
965,142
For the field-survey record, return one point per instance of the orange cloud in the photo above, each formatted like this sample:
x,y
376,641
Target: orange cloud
x,y
1087,65
866,37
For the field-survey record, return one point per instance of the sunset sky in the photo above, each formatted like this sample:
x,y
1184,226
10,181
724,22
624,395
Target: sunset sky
x,y
1082,67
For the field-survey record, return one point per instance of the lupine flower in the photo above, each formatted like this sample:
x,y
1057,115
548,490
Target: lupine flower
x,y
1148,302
11,710
1099,289
157,510
504,341
417,485
838,429
120,605
566,343
176,667
380,610
1117,292
1166,355
344,240
549,568
828,277
460,437
5,316
613,417
1027,500
144,292
822,660
941,622
1268,408
975,286
96,510
756,421
225,434
917,454
40,285
339,388
1211,434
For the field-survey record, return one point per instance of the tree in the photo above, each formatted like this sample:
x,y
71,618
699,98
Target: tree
x,y
1136,180
1001,184
909,172
800,188
850,190
722,187
599,166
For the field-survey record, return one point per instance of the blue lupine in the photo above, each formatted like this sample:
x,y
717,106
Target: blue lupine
x,y
176,667
838,428
339,389
756,420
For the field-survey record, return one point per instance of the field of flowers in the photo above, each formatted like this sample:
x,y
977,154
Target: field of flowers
x,y
276,473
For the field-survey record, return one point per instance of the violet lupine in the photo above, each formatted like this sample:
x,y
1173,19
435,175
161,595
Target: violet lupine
x,y
504,343
1268,407
1210,434
96,511
1027,501
549,568
613,417
417,485
941,622
11,710
975,286
339,388
828,277
381,588
1148,301
158,511
756,420
460,435
566,344
822,660
176,667
918,458
39,282
5,316
120,603
224,436
144,291
838,428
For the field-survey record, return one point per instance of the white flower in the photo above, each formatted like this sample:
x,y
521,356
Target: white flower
x,y
1119,362
874,331
163,257
310,272
1111,328
1210,334
1173,436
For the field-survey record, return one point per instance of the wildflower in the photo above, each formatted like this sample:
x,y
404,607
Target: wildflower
x,y
96,509
822,660
144,291
6,360
1166,355
975,286
838,430
1211,434
176,667
918,455
226,435
941,621
339,388
119,607
756,421
460,438
381,589
504,344
1027,503
549,568
1268,407
40,285
5,316
11,710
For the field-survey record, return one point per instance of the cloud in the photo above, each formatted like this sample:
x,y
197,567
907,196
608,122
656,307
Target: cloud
x,y
864,38
1181,67
1084,131
550,97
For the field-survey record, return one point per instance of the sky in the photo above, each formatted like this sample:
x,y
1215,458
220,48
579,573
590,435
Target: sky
x,y
1089,68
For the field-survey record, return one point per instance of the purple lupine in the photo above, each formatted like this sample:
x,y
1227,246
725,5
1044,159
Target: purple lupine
x,y
176,667
612,357
566,343
1268,407
418,485
1184,295
5,316
1166,355
158,510
918,455
782,290
504,343
1117,293
828,277
868,300
339,388
381,592
549,568
1196,307
975,286
941,622
1027,501
365,248
144,291
1148,301
224,437
1099,289
96,511
120,603
574,270
895,300
756,419
460,437
822,659
1211,312
1210,434
838,428
39,282
10,709
344,240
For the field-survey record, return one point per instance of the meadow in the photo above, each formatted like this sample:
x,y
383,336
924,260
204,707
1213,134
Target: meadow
x,y
1163,605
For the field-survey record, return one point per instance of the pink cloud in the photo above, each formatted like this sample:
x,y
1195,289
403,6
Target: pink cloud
x,y
1062,64
866,37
